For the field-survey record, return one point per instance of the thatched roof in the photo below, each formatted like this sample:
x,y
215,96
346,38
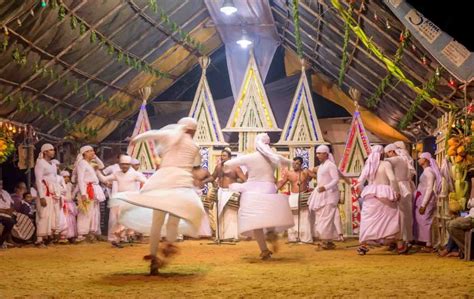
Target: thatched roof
x,y
46,41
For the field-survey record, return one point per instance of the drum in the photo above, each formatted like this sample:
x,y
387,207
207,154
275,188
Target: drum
x,y
234,200
208,205
24,227
304,199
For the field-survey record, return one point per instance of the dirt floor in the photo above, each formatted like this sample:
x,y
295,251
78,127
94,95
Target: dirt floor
x,y
201,270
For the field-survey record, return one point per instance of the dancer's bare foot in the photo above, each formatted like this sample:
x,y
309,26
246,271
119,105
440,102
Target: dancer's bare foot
x,y
169,250
266,255
272,237
443,253
155,264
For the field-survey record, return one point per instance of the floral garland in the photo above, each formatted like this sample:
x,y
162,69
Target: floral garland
x,y
7,146
175,28
428,87
391,67
375,98
296,23
113,50
345,58
35,106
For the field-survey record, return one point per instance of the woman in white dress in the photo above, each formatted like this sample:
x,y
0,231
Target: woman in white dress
x,y
379,215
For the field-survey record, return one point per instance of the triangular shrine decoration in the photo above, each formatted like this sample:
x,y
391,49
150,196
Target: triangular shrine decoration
x,y
208,131
302,126
357,148
143,151
252,111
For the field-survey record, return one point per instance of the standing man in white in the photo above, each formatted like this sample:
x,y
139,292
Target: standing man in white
x,y
125,179
260,205
325,198
46,176
169,190
90,193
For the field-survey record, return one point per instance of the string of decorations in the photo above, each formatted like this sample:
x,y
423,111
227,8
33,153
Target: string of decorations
x,y
390,65
111,48
429,87
8,130
175,28
345,58
296,24
34,106
375,98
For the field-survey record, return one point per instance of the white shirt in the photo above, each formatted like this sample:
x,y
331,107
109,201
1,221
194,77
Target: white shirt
x,y
5,200
108,171
125,181
402,174
426,185
46,173
327,177
85,175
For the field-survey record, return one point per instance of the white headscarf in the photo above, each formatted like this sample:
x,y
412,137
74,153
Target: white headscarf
x,y
435,168
135,161
262,142
372,163
124,159
45,147
325,149
402,150
79,158
390,147
188,122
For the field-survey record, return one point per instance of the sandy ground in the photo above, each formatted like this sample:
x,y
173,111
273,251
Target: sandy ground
x,y
201,270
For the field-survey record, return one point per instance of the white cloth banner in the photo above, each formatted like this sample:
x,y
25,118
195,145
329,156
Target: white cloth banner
x,y
453,56
257,20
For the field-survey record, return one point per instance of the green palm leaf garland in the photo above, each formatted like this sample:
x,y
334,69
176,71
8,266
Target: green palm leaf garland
x,y
296,23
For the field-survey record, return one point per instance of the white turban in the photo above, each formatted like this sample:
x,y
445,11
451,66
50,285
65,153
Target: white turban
x,y
325,149
188,122
135,161
435,168
124,159
262,142
64,173
45,147
390,147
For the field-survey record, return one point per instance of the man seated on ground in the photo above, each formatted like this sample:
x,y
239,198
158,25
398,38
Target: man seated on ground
x,y
17,195
7,219
458,227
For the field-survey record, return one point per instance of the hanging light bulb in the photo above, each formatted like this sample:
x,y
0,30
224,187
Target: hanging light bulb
x,y
43,3
244,41
437,72
375,16
424,60
228,7
451,82
387,24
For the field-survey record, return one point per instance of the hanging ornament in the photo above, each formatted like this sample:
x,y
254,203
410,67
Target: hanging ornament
x,y
452,83
413,47
18,22
43,3
32,13
387,24
362,7
424,60
5,30
402,37
437,72
375,16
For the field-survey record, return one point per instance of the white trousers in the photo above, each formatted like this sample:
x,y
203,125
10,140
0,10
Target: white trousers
x,y
114,227
155,234
228,226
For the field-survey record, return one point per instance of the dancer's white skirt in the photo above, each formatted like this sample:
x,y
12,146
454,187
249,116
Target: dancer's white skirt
x,y
169,190
261,207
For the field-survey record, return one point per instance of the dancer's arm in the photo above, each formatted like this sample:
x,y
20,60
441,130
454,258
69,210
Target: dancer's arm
x,y
334,174
240,174
81,173
391,176
105,179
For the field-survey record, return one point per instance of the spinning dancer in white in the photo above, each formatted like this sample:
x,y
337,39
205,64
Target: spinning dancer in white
x,y
169,190
260,205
